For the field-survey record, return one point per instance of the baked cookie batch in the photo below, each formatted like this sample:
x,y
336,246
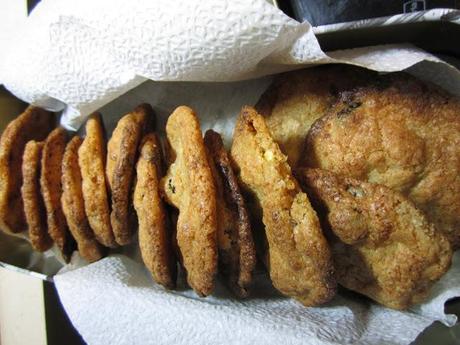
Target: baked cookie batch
x,y
339,175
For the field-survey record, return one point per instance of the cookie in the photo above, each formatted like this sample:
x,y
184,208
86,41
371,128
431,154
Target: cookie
x,y
73,204
33,124
121,158
383,246
155,235
91,159
189,186
296,99
34,207
299,259
399,132
237,255
51,189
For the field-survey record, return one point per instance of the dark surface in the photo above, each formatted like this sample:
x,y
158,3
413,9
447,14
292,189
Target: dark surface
x,y
59,329
438,333
31,4
321,12
437,37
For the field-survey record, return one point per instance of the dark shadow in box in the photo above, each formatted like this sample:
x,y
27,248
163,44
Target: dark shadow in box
x,y
437,34
31,4
437,37
59,329
323,12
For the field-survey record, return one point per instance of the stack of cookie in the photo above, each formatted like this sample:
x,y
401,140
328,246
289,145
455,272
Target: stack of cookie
x,y
86,195
342,176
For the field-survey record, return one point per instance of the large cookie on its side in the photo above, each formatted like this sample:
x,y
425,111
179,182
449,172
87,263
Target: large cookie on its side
x,y
91,159
34,207
237,254
189,186
50,184
121,159
33,124
401,133
73,204
297,99
155,235
383,246
299,258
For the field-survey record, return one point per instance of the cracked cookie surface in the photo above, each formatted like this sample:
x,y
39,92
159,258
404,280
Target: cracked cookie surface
x,y
189,186
299,258
91,159
399,132
383,247
295,100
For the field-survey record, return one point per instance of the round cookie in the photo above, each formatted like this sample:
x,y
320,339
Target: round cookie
x,y
295,100
91,159
51,189
155,235
73,204
237,254
401,133
189,186
33,124
299,257
34,207
383,247
121,158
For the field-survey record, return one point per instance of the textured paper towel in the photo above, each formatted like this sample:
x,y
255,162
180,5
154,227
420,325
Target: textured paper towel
x,y
114,301
86,53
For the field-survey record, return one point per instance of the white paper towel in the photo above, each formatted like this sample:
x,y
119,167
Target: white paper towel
x,y
114,301
82,55
85,53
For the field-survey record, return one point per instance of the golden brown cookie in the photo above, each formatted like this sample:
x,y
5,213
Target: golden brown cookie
x,y
73,204
237,255
189,186
121,158
154,232
33,124
297,99
51,189
91,159
34,207
383,246
399,132
299,258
